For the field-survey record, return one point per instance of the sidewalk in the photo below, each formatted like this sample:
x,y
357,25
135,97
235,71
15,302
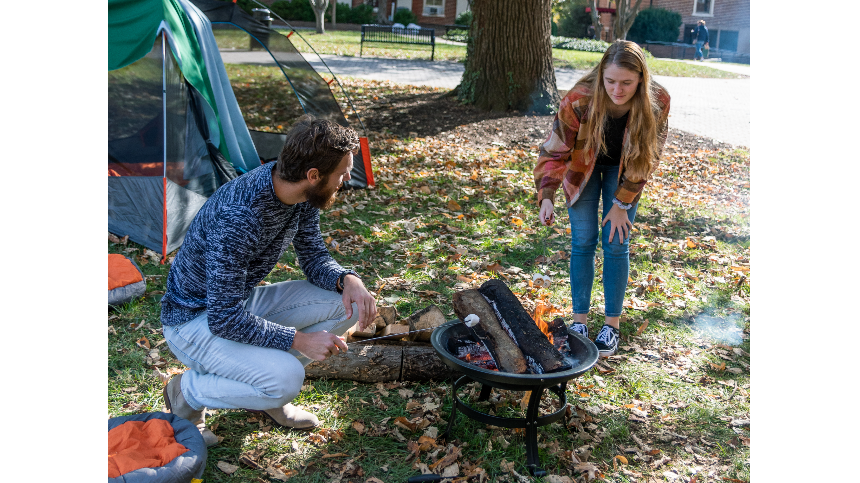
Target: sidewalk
x,y
714,108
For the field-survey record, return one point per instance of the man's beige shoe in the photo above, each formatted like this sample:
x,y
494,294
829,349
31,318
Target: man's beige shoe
x,y
176,403
291,417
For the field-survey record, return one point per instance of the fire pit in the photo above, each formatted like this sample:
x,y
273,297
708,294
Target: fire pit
x,y
583,355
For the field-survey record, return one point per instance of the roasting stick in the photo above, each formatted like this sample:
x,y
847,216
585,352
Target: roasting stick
x,y
390,336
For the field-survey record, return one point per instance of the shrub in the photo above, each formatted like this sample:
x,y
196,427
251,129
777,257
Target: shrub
x,y
296,10
361,14
404,16
655,24
464,18
574,20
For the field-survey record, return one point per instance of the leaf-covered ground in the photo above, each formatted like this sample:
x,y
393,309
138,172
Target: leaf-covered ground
x,y
453,207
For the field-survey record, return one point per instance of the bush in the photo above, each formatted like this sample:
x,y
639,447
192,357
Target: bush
x,y
574,20
404,16
655,24
464,18
296,10
361,14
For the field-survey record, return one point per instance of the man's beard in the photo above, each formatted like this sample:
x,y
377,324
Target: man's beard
x,y
320,196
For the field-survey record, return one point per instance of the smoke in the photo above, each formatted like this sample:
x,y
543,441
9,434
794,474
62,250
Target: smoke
x,y
722,330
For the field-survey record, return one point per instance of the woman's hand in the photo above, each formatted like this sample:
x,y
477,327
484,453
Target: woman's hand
x,y
620,222
547,212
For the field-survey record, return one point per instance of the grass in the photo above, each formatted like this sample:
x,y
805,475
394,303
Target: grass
x,y
688,370
348,43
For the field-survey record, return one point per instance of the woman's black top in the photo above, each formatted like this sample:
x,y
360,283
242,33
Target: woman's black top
x,y
613,138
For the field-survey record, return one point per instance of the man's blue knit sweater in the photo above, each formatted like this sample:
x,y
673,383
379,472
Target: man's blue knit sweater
x,y
234,241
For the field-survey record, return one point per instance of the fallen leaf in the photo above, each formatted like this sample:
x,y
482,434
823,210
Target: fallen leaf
x,y
642,328
495,267
358,427
143,342
621,459
454,206
227,467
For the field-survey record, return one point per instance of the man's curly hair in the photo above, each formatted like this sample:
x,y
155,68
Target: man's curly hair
x,y
314,143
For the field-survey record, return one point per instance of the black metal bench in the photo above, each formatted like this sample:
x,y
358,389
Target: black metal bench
x,y
390,35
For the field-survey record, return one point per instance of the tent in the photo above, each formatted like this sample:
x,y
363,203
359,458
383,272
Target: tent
x,y
175,129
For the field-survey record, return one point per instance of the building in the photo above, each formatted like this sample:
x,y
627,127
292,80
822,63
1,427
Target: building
x,y
429,12
728,21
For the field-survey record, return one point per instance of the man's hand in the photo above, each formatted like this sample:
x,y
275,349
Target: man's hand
x,y
620,223
320,345
354,291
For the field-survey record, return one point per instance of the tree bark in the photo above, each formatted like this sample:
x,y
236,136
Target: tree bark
x,y
382,13
334,13
319,7
595,20
383,362
625,16
509,57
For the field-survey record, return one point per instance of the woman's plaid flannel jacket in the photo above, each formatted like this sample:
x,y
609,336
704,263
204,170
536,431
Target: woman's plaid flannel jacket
x,y
562,160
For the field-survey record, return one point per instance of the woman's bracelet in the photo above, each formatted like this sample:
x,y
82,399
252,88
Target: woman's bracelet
x,y
623,206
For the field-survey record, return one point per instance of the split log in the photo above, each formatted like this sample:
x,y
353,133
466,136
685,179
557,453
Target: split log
x,y
505,351
531,340
425,319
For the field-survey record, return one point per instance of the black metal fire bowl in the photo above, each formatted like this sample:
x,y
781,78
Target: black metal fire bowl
x,y
583,353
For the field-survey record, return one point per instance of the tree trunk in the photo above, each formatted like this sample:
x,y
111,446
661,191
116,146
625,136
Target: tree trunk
x,y
334,13
382,13
595,20
509,57
320,7
625,16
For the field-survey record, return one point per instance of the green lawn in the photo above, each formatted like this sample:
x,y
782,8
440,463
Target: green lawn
x,y
348,43
670,401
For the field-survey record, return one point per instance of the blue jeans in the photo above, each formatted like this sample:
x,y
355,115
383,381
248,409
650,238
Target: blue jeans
x,y
231,375
699,45
584,228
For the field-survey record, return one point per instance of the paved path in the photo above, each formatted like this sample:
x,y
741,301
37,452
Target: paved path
x,y
714,108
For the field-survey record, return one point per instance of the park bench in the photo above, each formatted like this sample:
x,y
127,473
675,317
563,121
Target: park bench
x,y
396,35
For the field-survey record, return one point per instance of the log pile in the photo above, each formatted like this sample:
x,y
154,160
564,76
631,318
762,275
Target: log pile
x,y
509,333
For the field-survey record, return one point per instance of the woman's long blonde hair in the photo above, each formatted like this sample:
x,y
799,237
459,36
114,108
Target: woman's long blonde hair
x,y
641,152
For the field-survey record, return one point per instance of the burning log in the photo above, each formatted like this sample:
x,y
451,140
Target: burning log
x,y
529,337
558,329
489,330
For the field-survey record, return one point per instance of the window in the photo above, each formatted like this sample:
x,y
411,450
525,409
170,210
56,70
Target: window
x,y
434,8
703,8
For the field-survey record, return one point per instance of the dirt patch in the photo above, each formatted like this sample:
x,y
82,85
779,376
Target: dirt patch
x,y
438,114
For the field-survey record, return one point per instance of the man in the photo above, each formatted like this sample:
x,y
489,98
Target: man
x,y
701,34
246,345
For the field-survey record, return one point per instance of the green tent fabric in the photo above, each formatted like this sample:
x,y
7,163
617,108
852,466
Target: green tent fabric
x,y
132,27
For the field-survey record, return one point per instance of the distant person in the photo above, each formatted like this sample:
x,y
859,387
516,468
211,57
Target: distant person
x,y
701,34
605,142
590,32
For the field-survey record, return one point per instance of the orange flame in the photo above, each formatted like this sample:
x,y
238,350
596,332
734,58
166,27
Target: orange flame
x,y
537,316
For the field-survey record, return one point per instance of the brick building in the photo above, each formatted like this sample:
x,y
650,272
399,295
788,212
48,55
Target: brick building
x,y
728,21
429,12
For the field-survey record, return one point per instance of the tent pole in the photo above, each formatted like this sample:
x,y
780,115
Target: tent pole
x,y
164,60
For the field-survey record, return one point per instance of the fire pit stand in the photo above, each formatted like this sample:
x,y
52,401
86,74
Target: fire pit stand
x,y
584,351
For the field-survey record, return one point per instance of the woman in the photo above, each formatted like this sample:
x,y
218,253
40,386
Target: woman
x,y
605,142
